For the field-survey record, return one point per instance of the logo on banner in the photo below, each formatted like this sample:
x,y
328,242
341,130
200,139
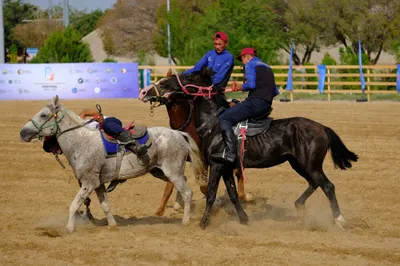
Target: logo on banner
x,y
48,74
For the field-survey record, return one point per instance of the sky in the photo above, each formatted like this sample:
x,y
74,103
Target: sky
x,y
79,4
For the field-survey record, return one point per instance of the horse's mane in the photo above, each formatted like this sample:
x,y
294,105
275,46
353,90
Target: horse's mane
x,y
76,118
200,78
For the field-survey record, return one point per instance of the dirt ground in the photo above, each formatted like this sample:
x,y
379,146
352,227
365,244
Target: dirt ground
x,y
35,194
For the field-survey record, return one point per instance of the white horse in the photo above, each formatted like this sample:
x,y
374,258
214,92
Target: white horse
x,y
84,150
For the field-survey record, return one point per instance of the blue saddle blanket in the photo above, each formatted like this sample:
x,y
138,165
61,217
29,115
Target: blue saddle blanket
x,y
111,147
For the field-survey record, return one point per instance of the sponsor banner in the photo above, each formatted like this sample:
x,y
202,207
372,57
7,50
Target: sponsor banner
x,y
68,81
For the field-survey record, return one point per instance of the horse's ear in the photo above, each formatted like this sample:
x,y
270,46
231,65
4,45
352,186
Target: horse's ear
x,y
169,73
56,103
56,100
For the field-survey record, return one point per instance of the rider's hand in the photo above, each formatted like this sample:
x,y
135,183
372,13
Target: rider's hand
x,y
236,87
99,118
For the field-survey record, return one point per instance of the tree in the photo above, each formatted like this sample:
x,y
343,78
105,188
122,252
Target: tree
x,y
35,33
14,11
87,22
375,22
183,18
300,22
128,27
191,32
64,47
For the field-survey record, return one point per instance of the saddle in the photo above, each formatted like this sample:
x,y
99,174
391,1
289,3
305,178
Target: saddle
x,y
253,126
111,145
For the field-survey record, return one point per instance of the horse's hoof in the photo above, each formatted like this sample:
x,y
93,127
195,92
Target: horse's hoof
x,y
301,210
244,220
70,229
340,222
160,212
89,216
177,206
204,223
112,227
186,221
249,197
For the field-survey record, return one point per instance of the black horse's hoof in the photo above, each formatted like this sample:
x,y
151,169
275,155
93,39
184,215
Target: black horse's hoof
x,y
244,219
204,223
89,216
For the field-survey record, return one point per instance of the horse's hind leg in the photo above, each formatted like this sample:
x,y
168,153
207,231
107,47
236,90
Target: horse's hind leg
x,y
186,193
299,203
178,200
88,212
233,195
329,190
105,205
322,180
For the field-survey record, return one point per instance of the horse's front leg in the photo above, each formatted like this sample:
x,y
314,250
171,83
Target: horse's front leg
x,y
87,204
169,187
105,205
242,194
82,195
213,182
233,195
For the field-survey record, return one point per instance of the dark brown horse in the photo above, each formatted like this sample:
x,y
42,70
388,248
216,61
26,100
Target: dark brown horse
x,y
182,117
302,142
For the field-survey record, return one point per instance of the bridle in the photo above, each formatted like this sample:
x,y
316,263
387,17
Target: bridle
x,y
189,116
201,91
54,125
55,128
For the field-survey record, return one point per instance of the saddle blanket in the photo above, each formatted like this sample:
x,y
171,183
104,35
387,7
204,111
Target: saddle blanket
x,y
111,145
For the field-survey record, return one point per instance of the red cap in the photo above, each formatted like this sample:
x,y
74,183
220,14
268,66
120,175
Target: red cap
x,y
221,35
249,50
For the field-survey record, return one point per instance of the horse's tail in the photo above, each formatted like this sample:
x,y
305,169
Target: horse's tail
x,y
196,159
341,156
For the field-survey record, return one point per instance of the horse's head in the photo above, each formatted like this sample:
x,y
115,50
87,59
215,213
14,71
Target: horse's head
x,y
44,123
172,87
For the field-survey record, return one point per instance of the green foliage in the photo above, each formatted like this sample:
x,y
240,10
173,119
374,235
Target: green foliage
x,y
183,23
108,43
375,23
348,57
64,47
110,60
13,54
14,11
328,60
395,50
144,58
86,23
191,33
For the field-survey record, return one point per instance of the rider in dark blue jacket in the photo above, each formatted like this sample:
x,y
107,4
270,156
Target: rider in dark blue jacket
x,y
260,83
220,61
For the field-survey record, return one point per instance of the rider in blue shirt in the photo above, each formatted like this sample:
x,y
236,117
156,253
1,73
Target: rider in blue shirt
x,y
220,61
260,83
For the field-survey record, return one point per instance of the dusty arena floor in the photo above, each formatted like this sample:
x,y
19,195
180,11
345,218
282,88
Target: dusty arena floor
x,y
35,195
